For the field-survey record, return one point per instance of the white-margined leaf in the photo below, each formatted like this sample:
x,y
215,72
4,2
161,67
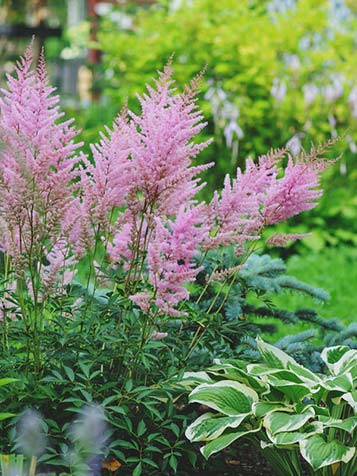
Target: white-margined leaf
x,y
278,422
190,379
339,358
227,397
341,383
320,453
210,426
294,391
304,374
348,424
293,437
225,440
274,357
261,409
242,376
351,399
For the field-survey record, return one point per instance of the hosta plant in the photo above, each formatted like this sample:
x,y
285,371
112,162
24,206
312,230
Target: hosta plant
x,y
291,413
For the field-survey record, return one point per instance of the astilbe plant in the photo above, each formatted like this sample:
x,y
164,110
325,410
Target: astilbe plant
x,y
137,195
129,215
37,191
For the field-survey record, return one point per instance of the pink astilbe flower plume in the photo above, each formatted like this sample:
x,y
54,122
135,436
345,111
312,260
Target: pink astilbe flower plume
x,y
36,165
297,191
234,215
169,261
162,147
107,180
264,194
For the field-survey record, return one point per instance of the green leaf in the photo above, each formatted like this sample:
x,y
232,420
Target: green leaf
x,y
4,416
273,356
240,375
228,397
69,373
6,381
295,391
193,378
318,453
210,426
277,422
141,428
304,374
223,441
173,463
138,469
341,383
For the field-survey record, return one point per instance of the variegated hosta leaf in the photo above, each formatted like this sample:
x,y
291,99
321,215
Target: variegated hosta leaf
x,y
341,383
319,453
242,376
348,424
210,426
227,397
190,379
261,409
304,374
278,422
339,358
273,356
351,399
294,391
225,440
292,437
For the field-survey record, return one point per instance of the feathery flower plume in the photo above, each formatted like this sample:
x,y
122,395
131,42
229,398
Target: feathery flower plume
x,y
36,166
264,194
162,147
169,260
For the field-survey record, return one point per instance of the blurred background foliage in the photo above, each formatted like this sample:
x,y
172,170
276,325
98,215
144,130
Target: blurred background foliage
x,y
277,73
